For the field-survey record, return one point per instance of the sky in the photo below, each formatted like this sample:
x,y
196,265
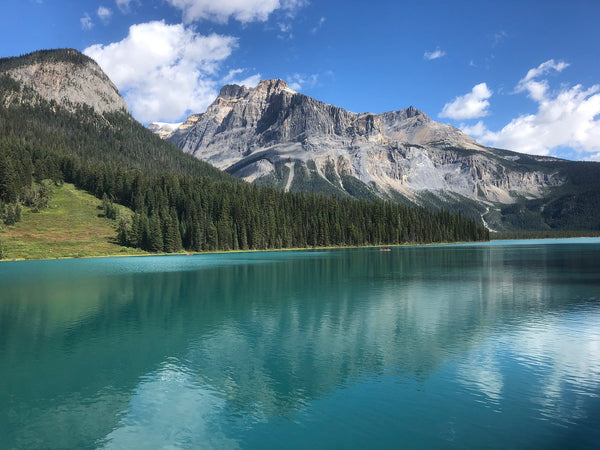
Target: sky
x,y
522,75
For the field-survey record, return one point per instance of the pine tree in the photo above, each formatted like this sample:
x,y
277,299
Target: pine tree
x,y
178,244
124,232
212,237
135,238
155,234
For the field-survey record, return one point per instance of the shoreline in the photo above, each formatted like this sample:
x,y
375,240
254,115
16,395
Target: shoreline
x,y
219,252
341,247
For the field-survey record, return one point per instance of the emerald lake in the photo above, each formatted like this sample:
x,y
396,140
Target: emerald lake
x,y
453,346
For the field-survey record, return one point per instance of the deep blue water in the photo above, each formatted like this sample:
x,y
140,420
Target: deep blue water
x,y
488,345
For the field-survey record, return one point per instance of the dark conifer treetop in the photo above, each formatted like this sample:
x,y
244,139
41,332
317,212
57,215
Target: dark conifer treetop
x,y
44,56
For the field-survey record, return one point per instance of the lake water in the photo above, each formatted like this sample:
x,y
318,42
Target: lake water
x,y
470,346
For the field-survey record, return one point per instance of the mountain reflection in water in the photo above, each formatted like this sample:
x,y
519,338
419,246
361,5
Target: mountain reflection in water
x,y
448,345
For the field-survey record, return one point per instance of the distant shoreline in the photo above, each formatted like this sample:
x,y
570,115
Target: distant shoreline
x,y
298,249
218,252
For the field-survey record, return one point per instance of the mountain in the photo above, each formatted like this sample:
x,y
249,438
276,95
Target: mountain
x,y
67,78
62,120
273,135
63,101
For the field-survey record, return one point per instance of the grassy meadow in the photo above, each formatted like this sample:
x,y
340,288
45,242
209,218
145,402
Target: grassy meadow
x,y
73,226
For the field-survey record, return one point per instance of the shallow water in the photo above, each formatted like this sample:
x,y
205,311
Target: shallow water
x,y
494,345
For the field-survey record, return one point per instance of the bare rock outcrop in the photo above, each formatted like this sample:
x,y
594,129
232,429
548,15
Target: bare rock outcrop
x,y
67,78
271,134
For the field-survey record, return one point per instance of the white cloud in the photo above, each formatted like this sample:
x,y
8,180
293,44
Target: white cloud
x,y
241,10
319,25
469,106
436,54
285,29
232,75
232,78
544,69
104,14
500,37
86,22
251,81
537,89
595,157
164,71
291,7
477,130
298,81
567,118
124,5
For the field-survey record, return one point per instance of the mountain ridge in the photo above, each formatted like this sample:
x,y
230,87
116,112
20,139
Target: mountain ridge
x,y
176,200
272,135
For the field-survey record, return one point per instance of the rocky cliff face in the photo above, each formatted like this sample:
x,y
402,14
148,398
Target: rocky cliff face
x,y
272,134
66,77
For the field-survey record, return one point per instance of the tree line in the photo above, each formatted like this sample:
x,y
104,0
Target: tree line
x,y
180,202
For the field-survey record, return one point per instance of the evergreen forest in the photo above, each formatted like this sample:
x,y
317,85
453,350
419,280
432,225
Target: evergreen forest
x,y
178,201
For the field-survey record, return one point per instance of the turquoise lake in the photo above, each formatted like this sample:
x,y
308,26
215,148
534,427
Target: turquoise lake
x,y
457,346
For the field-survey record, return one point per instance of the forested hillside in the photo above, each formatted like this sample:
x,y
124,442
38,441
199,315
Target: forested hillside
x,y
180,202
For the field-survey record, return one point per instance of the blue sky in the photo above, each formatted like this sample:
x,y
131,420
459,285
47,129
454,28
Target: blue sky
x,y
523,75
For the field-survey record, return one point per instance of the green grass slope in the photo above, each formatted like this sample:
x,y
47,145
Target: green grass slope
x,y
72,226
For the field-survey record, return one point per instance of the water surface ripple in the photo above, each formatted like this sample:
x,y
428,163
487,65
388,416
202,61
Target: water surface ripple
x,y
489,345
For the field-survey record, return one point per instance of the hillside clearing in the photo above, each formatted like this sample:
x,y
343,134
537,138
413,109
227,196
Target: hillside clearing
x,y
71,227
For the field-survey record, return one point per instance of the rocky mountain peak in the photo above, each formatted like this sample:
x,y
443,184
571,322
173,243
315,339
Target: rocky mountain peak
x,y
271,134
230,91
264,89
405,114
66,77
274,86
411,111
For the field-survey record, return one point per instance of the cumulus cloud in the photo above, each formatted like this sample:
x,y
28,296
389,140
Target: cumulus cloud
x,y
104,14
469,106
164,71
86,22
436,54
544,69
478,130
241,10
536,89
566,118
